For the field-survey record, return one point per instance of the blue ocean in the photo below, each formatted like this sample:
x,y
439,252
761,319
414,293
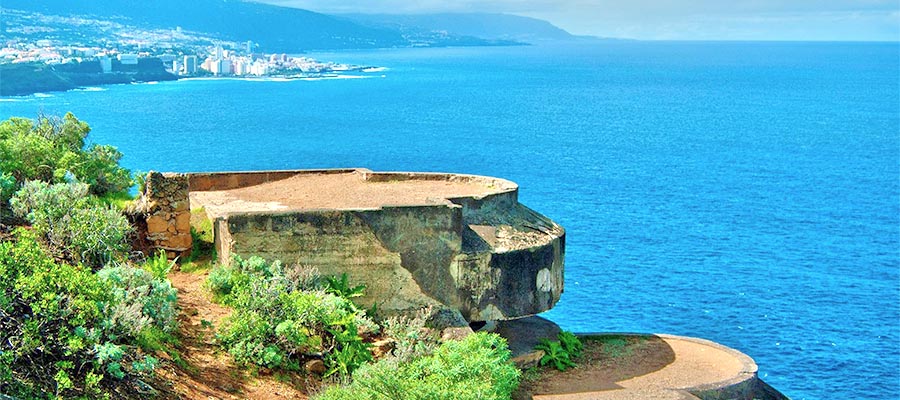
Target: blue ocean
x,y
746,193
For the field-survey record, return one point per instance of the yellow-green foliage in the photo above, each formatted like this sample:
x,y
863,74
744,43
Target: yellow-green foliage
x,y
279,321
52,149
60,331
475,368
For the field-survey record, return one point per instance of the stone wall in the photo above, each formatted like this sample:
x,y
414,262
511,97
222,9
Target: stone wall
x,y
165,204
410,257
209,181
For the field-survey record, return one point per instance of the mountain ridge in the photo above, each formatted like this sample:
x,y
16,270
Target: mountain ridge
x,y
490,26
278,28
285,29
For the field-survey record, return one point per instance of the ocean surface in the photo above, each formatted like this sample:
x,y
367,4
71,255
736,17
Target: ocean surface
x,y
746,193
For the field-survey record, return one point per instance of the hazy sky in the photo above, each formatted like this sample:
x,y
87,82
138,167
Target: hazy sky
x,y
669,19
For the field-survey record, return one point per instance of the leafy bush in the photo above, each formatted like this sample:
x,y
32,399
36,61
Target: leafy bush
x,y
7,186
476,367
57,336
51,149
411,338
570,343
73,222
560,353
278,322
140,301
341,287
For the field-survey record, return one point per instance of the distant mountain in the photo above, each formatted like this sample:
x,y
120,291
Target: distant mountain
x,y
276,29
479,25
284,29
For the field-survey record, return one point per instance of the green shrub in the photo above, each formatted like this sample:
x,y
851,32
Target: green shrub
x,y
159,265
51,149
140,301
73,222
476,367
570,343
560,353
411,338
279,321
57,336
7,186
341,287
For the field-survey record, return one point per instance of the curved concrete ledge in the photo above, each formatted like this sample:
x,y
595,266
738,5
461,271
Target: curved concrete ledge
x,y
455,241
701,370
739,386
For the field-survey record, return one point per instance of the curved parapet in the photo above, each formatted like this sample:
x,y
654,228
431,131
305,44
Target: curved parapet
x,y
461,242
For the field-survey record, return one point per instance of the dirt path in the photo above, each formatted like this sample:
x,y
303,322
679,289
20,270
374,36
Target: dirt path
x,y
208,372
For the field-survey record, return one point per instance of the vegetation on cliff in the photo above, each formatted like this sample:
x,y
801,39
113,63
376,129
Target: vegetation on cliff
x,y
83,316
77,319
28,78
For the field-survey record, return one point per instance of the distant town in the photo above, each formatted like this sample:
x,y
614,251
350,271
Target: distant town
x,y
83,45
215,61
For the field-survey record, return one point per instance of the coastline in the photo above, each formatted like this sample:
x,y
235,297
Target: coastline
x,y
30,78
35,79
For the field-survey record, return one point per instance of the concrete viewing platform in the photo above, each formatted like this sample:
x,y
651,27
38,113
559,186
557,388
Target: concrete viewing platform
x,y
461,244
340,190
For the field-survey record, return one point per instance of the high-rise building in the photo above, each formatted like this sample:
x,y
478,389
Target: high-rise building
x,y
220,53
223,67
241,68
249,47
190,65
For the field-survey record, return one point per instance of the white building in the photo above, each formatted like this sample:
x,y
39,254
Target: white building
x,y
259,69
105,64
190,65
241,68
128,59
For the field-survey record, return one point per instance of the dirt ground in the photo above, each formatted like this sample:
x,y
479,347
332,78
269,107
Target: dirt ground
x,y
606,360
333,191
209,373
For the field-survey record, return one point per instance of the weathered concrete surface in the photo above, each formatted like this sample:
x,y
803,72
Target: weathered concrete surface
x,y
701,369
458,242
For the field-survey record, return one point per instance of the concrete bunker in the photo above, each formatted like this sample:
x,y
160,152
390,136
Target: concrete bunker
x,y
455,242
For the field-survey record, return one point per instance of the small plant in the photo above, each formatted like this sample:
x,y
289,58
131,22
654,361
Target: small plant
x,y
341,287
352,354
411,338
555,355
571,343
560,353
141,300
159,266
